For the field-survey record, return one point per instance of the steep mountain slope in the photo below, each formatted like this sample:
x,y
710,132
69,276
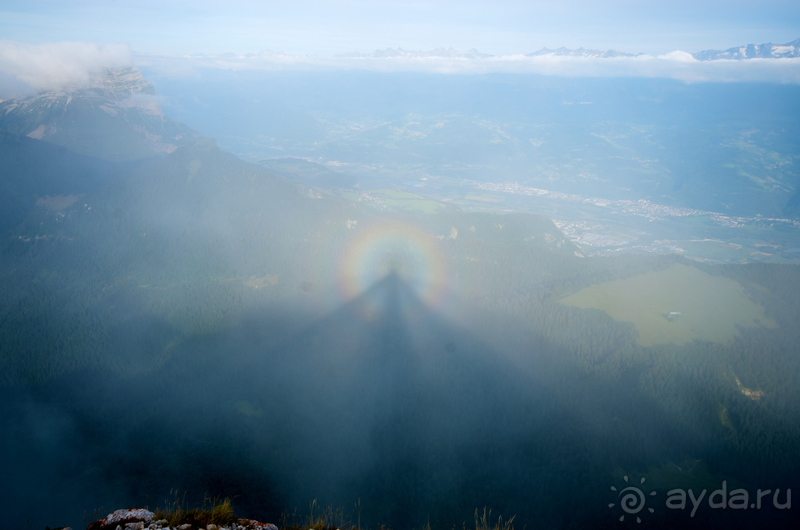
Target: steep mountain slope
x,y
50,176
117,118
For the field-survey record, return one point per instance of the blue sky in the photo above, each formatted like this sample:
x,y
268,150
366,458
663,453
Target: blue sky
x,y
328,28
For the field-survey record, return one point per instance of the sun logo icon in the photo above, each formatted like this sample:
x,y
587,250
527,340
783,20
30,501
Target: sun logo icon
x,y
632,500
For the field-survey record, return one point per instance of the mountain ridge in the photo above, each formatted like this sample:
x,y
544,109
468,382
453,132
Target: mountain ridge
x,y
745,51
117,117
752,51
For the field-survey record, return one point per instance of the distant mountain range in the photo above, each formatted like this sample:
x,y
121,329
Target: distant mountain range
x,y
117,118
450,53
580,52
753,51
747,51
437,52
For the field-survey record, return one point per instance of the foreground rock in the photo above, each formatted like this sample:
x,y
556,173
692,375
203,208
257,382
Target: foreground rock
x,y
141,519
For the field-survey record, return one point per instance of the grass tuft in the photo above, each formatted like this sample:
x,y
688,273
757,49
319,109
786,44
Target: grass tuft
x,y
484,522
214,511
322,519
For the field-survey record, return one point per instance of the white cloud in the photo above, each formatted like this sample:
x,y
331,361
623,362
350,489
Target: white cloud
x,y
679,56
675,65
59,65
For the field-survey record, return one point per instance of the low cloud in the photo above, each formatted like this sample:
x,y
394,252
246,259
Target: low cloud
x,y
56,65
674,65
678,56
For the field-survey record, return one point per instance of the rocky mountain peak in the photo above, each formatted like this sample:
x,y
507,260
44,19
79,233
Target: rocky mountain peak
x,y
117,117
122,83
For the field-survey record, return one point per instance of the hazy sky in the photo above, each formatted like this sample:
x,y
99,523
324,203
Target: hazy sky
x,y
327,28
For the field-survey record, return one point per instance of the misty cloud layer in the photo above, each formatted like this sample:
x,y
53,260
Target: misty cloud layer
x,y
674,65
56,65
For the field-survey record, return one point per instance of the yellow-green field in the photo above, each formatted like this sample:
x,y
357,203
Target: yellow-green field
x,y
480,199
396,200
711,306
402,200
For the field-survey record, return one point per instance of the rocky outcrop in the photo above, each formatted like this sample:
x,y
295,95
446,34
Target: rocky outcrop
x,y
141,519
123,518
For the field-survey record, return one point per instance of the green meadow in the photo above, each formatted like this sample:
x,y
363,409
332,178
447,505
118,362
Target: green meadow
x,y
710,307
396,200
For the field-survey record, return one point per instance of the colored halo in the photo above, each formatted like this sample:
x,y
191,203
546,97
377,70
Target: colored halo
x,y
383,249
